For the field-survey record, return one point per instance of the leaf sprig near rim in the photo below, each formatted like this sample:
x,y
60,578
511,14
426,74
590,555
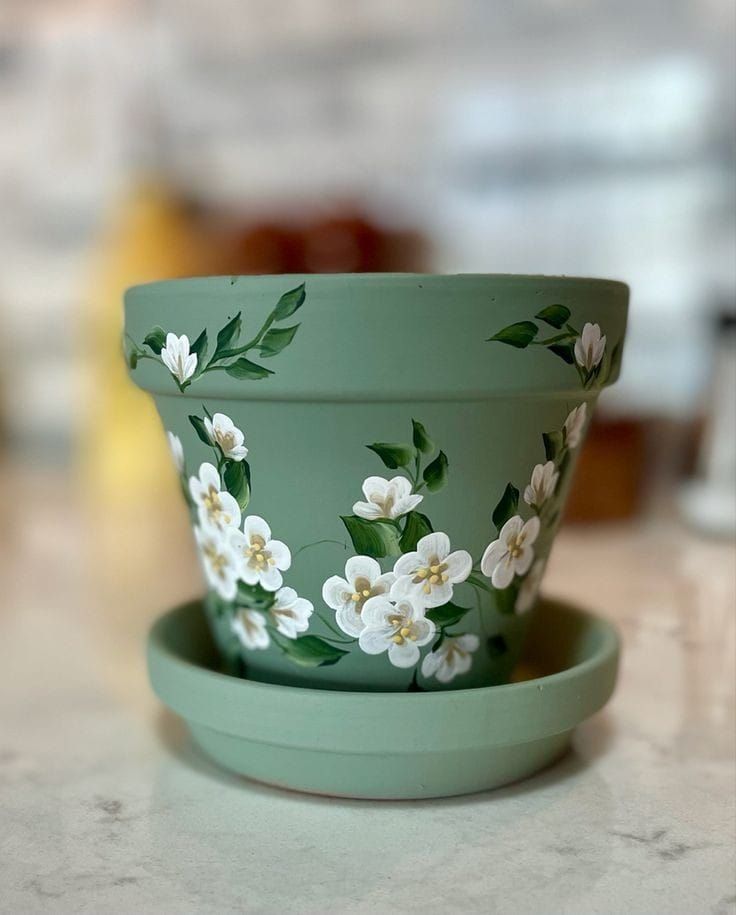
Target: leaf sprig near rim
x,y
562,344
228,355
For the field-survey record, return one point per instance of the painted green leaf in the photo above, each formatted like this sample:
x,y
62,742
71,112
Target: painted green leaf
x,y
276,339
496,646
373,538
435,474
507,505
200,429
554,315
417,526
254,597
237,481
519,335
244,368
227,335
199,348
133,359
506,599
566,351
311,651
554,442
422,441
289,302
392,454
155,339
448,614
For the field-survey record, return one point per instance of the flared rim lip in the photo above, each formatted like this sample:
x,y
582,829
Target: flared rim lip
x,y
367,279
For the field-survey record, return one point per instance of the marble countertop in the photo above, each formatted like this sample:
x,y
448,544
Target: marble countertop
x,y
105,806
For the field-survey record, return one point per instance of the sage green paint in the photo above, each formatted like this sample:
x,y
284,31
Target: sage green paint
x,y
371,353
389,746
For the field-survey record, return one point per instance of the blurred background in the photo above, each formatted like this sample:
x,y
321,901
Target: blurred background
x,y
149,138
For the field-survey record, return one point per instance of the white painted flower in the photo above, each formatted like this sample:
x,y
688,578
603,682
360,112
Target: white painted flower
x,y
176,357
347,596
429,573
400,628
575,425
177,451
452,658
219,561
542,485
512,553
215,506
250,627
530,587
262,560
223,432
290,613
386,498
589,347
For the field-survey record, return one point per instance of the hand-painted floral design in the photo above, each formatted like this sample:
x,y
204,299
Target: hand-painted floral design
x,y
584,350
427,574
290,613
176,357
262,559
215,505
188,362
386,499
250,628
223,432
399,628
530,587
218,560
589,347
347,596
543,484
452,658
177,451
513,553
575,425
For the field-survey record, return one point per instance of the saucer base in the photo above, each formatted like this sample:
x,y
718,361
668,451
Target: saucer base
x,y
389,745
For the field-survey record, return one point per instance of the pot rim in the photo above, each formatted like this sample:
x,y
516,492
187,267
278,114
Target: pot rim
x,y
195,283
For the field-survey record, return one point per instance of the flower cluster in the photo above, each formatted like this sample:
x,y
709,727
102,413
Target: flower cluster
x,y
237,551
387,612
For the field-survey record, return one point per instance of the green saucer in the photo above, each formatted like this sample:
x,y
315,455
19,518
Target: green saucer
x,y
390,745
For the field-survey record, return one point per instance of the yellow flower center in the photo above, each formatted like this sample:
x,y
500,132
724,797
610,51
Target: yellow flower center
x,y
226,440
516,545
404,630
361,593
432,575
257,555
218,561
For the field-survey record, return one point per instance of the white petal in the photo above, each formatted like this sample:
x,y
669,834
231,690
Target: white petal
x,y
438,594
280,553
375,486
405,505
530,530
375,641
405,655
349,620
368,510
503,573
401,487
336,592
468,642
425,631
512,528
459,565
209,429
579,351
255,526
530,496
523,562
285,598
209,477
432,662
376,610
404,587
271,579
384,583
407,564
436,545
494,553
362,567
190,366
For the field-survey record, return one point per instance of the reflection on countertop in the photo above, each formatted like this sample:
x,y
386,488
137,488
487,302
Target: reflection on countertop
x,y
106,807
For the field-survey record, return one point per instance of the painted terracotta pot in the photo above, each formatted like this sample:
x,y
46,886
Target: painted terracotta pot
x,y
375,465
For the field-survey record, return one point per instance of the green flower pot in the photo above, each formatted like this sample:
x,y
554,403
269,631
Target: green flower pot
x,y
375,465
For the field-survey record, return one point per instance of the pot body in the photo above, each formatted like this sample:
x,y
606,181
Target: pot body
x,y
374,481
